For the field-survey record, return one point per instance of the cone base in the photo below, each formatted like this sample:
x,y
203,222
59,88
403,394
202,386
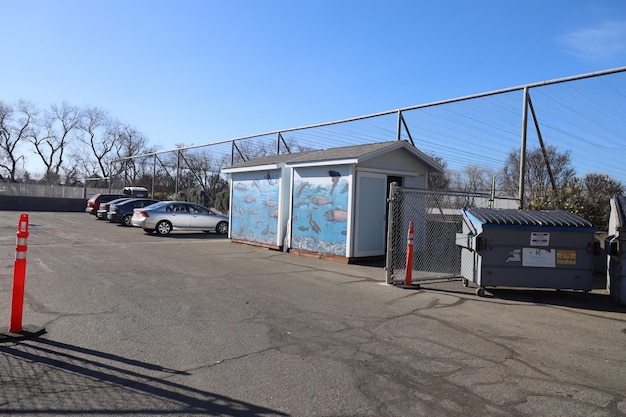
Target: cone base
x,y
28,332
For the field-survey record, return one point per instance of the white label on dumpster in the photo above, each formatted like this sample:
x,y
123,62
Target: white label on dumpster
x,y
543,258
539,239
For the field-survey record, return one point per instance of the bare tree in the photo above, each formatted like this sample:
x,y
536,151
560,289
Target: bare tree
x,y
439,180
537,183
54,136
128,141
204,174
94,125
15,126
473,179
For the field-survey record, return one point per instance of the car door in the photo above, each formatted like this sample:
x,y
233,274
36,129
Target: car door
x,y
201,217
178,215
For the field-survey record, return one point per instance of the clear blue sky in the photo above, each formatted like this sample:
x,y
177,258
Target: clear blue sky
x,y
204,71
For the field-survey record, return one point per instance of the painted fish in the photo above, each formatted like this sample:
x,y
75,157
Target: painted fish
x,y
313,224
319,200
269,179
301,188
335,176
256,184
336,215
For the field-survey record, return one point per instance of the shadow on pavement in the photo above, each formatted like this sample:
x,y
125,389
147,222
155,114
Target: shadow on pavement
x,y
572,299
593,301
44,377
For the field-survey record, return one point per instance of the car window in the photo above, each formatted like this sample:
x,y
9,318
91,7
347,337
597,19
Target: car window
x,y
177,208
158,205
143,203
198,209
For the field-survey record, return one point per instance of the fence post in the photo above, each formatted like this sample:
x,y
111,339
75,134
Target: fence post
x,y
390,229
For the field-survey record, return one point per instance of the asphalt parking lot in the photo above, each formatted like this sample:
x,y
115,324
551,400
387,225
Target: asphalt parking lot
x,y
195,325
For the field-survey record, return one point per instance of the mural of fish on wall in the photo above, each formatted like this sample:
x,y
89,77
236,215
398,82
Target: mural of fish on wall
x,y
255,200
318,214
335,176
336,215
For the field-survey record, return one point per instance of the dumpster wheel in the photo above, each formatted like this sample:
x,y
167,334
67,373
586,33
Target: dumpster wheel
x,y
480,291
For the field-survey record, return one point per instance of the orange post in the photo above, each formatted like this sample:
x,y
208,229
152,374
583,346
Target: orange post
x,y
409,255
19,275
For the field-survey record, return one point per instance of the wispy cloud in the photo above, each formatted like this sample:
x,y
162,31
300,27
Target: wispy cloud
x,y
604,41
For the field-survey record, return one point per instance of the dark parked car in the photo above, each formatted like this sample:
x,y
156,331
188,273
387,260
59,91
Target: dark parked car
x,y
122,212
93,204
101,214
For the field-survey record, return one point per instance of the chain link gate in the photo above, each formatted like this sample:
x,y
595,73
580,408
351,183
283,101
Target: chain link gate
x,y
436,216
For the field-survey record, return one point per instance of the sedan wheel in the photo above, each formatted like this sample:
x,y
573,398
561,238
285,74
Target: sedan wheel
x,y
127,220
163,227
222,228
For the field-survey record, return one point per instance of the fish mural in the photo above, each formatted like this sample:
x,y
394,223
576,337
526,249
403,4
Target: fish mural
x,y
255,201
271,181
336,215
335,176
301,188
318,216
255,183
320,200
314,226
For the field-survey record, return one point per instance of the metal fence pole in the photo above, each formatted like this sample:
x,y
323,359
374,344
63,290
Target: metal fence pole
x,y
154,161
390,230
522,152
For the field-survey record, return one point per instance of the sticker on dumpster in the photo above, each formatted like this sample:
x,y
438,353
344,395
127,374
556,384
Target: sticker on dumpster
x,y
515,256
566,257
539,239
542,258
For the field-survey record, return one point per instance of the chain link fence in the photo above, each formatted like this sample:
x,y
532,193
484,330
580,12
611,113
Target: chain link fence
x,y
437,219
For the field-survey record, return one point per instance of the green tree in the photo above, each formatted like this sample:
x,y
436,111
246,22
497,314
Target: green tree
x,y
598,191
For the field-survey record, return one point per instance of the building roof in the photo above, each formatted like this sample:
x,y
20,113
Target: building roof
x,y
354,154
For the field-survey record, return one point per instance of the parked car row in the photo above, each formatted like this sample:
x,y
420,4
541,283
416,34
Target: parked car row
x,y
152,216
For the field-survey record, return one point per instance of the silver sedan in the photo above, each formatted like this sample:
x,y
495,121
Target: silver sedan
x,y
165,216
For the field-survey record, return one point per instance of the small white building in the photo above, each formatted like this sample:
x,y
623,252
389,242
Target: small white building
x,y
327,203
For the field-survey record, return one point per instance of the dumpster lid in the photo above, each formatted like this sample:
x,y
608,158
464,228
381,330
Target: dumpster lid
x,y
535,218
